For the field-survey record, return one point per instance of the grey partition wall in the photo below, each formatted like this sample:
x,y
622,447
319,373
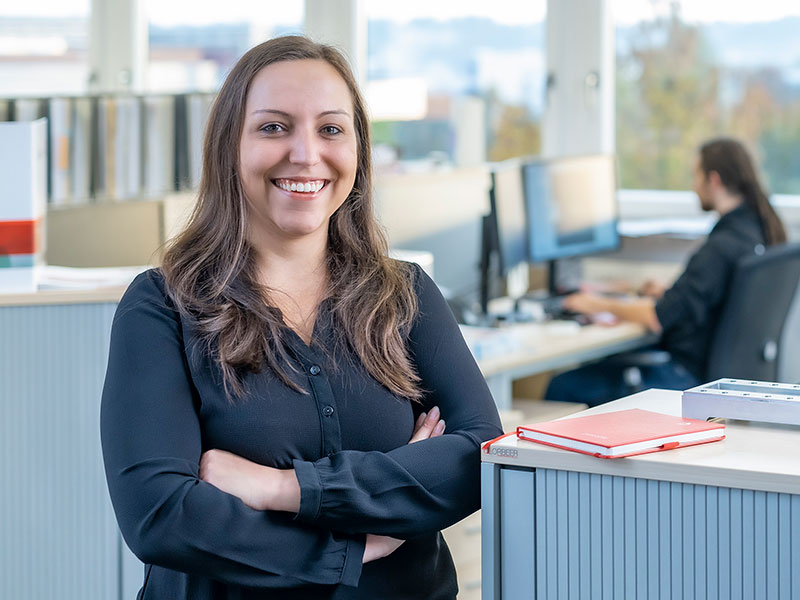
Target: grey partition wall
x,y
58,535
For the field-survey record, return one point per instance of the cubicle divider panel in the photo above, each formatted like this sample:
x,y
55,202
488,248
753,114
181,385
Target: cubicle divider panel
x,y
58,536
579,535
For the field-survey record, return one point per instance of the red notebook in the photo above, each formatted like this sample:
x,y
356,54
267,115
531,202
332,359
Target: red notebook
x,y
622,433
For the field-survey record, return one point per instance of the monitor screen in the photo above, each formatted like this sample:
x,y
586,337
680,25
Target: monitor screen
x,y
572,206
508,210
441,213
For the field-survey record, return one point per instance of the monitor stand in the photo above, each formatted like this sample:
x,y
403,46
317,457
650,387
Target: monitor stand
x,y
489,266
564,276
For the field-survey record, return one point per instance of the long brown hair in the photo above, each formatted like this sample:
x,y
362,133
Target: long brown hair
x,y
211,271
730,159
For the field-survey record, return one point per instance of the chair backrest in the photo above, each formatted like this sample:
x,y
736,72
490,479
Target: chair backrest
x,y
751,333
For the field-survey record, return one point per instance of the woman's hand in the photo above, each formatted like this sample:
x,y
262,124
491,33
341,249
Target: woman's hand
x,y
379,546
428,426
259,487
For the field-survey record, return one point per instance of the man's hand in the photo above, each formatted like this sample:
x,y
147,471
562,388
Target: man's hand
x,y
586,303
652,289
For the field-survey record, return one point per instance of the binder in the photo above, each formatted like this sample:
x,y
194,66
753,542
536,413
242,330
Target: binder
x,y
158,145
60,114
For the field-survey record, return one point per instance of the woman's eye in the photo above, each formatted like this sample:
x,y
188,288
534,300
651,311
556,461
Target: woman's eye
x,y
331,130
272,128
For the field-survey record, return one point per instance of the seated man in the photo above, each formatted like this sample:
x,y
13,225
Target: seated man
x,y
685,314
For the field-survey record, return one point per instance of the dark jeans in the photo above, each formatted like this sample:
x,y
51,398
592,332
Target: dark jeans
x,y
603,381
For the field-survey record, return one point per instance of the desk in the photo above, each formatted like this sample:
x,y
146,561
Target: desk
x,y
720,520
553,348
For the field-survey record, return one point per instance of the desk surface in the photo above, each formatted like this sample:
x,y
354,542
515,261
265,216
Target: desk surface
x,y
547,346
99,295
753,456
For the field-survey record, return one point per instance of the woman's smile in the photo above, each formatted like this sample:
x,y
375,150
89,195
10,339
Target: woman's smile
x,y
302,187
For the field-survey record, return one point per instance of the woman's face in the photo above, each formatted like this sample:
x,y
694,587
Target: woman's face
x,y
298,153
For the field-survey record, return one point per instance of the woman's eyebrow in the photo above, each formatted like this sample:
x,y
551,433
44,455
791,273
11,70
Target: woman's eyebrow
x,y
271,111
334,112
287,115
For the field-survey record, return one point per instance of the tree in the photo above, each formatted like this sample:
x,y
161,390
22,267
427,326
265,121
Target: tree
x,y
667,103
517,134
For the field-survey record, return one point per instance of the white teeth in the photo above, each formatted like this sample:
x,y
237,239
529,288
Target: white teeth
x,y
293,186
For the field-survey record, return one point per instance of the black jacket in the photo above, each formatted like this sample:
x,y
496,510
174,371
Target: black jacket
x,y
690,309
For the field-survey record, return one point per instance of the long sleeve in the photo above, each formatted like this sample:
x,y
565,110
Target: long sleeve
x,y
151,439
420,487
701,287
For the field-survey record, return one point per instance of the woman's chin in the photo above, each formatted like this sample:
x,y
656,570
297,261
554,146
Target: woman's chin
x,y
300,229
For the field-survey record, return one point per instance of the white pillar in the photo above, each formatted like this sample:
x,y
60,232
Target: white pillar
x,y
468,119
340,23
118,46
579,111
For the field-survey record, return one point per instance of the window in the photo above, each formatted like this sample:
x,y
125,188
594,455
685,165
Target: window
x,y
44,48
193,50
687,72
478,67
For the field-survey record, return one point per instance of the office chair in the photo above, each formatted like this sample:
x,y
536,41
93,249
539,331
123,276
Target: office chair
x,y
757,335
751,339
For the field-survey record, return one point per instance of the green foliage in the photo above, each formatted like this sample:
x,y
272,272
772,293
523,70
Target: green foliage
x,y
666,105
669,102
517,134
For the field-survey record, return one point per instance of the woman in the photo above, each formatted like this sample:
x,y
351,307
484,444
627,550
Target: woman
x,y
685,314
266,384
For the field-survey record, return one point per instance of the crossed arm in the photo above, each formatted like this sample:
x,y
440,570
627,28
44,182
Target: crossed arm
x,y
152,446
267,488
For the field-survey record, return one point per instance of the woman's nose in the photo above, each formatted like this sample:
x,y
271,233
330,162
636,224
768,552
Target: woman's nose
x,y
305,148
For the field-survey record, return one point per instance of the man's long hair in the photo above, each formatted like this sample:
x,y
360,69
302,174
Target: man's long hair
x,y
736,169
211,268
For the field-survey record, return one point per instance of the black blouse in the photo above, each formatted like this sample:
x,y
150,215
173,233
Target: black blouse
x,y
346,438
690,309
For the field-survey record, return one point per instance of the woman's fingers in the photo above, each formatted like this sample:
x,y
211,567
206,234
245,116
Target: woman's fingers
x,y
427,426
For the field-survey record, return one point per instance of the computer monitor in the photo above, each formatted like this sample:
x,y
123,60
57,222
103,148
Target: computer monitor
x,y
571,205
505,241
441,213
508,215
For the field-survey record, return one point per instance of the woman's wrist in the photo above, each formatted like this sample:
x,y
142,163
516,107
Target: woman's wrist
x,y
281,490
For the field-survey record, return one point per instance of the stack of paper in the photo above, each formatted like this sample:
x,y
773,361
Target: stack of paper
x,y
72,278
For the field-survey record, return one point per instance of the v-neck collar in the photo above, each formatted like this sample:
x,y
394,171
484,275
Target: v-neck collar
x,y
318,333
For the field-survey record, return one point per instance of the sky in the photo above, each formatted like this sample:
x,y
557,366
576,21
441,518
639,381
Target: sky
x,y
289,12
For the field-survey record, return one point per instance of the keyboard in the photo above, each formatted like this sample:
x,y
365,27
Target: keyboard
x,y
553,307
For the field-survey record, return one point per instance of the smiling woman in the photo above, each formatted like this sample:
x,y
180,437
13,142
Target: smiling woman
x,y
273,417
298,152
